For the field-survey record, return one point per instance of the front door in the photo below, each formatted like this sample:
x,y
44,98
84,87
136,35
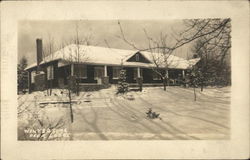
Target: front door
x,y
129,75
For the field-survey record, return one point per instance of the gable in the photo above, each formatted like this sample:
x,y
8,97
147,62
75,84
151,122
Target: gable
x,y
138,57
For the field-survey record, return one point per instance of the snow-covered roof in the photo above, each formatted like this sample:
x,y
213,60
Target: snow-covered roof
x,y
170,61
110,56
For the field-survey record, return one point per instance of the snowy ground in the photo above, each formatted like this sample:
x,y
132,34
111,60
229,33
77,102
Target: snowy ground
x,y
104,115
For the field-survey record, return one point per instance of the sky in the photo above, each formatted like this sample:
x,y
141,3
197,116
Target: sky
x,y
103,33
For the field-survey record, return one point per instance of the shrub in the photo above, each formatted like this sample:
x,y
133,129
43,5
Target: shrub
x,y
122,84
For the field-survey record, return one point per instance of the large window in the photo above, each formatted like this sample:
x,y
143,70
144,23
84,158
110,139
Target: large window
x,y
99,72
80,70
50,72
116,72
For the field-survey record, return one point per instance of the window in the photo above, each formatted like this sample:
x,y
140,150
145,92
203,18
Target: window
x,y
80,70
50,72
99,72
33,74
116,72
136,74
156,76
137,57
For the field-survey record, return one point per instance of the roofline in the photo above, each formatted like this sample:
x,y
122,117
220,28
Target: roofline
x,y
91,63
42,63
34,65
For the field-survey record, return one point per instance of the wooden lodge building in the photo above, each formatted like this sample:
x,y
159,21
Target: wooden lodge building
x,y
98,66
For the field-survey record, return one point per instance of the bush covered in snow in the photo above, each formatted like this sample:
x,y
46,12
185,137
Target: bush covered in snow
x,y
122,84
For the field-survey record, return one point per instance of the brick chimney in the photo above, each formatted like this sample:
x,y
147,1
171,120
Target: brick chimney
x,y
39,52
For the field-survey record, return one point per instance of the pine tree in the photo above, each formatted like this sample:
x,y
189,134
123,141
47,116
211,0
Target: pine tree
x,y
22,74
122,84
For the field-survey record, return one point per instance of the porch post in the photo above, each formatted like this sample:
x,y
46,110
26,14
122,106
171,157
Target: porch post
x,y
139,78
72,69
105,71
105,78
183,73
138,72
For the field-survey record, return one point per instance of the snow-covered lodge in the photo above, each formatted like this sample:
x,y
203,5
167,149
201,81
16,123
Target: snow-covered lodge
x,y
95,65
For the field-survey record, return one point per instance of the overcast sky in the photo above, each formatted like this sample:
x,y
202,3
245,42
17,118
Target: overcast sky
x,y
29,31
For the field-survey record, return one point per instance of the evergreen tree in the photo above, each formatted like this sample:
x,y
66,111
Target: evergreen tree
x,y
22,75
122,84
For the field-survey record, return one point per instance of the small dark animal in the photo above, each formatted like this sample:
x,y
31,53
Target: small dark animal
x,y
152,115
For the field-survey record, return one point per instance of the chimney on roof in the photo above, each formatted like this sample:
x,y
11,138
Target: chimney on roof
x,y
39,52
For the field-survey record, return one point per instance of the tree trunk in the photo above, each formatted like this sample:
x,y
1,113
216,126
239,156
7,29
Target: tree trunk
x,y
201,86
139,81
70,106
47,87
50,91
77,87
140,87
194,94
164,84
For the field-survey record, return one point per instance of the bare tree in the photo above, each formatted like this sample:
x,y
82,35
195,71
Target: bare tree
x,y
214,51
69,60
196,29
160,51
48,55
75,55
78,55
162,57
195,79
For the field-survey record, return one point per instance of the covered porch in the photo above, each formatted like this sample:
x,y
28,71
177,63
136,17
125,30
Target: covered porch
x,y
88,74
